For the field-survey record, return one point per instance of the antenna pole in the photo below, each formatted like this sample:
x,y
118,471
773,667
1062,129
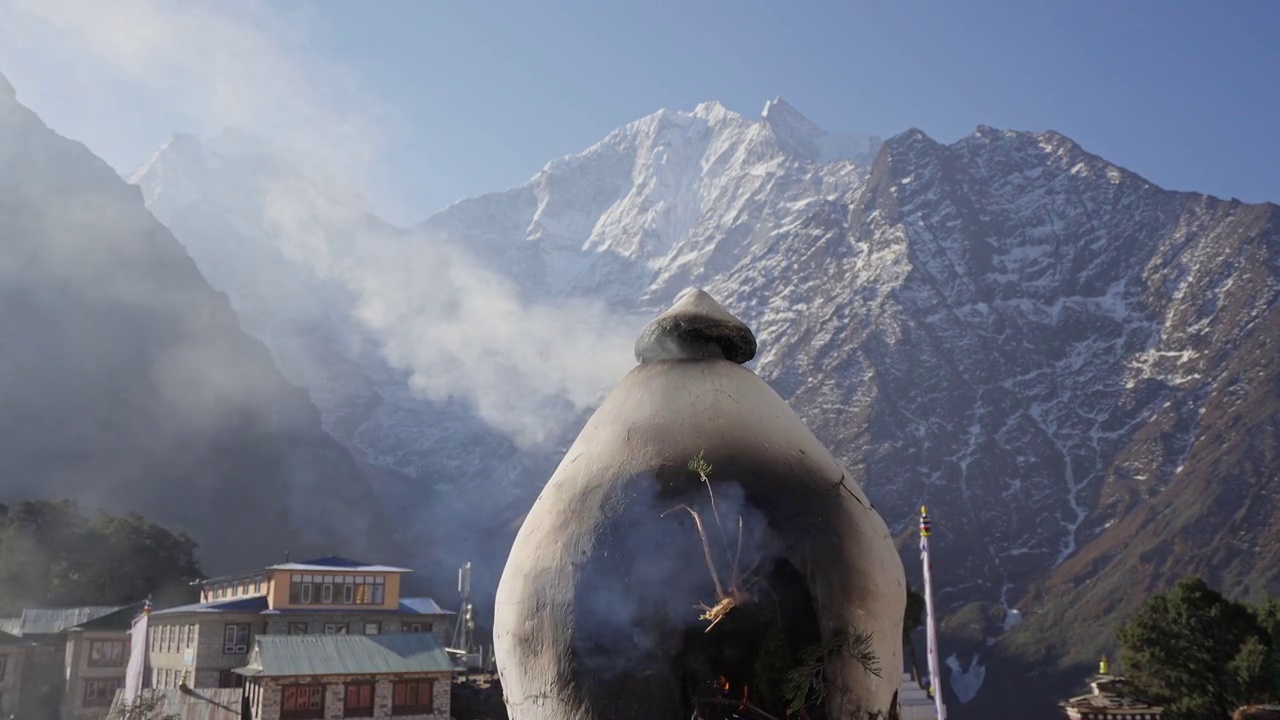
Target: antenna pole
x,y
464,630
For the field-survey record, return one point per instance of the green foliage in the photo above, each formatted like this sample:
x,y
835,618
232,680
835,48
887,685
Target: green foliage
x,y
913,617
700,466
769,678
52,555
1199,654
806,683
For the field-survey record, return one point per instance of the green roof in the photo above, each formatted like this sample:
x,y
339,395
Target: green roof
x,y
293,655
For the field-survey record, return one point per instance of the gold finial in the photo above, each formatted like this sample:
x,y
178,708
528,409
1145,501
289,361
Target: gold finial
x,y
922,510
1104,667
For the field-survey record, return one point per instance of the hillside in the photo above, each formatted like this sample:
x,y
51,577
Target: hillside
x,y
127,383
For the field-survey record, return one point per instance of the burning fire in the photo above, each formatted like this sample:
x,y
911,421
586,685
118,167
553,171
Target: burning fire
x,y
724,684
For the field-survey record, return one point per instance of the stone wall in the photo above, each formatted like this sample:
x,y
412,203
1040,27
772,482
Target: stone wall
x,y
207,661
388,623
11,681
335,694
79,673
43,681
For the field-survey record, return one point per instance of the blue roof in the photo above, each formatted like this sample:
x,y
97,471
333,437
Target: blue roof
x,y
241,605
293,655
422,606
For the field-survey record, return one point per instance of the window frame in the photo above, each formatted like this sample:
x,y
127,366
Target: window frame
x,y
297,625
417,708
377,628
309,713
233,647
363,711
108,687
105,660
332,628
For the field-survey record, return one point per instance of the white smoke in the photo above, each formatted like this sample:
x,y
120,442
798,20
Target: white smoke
x,y
460,329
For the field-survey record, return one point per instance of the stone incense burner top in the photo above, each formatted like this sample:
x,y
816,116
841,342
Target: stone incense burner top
x,y
699,554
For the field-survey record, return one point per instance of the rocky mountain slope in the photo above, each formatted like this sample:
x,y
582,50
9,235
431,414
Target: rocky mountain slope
x,y
126,382
1071,366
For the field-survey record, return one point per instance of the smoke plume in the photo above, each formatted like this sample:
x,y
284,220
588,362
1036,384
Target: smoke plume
x,y
457,327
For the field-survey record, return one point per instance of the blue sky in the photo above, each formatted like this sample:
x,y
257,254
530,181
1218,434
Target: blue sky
x,y
470,97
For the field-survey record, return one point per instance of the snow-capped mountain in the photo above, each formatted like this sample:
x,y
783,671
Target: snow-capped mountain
x,y
1071,366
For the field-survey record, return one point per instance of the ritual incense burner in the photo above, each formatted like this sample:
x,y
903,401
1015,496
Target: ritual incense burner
x,y
699,554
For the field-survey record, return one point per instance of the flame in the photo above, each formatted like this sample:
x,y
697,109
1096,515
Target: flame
x,y
724,683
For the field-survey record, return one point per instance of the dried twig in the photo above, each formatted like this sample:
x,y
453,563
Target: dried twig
x,y
736,594
739,704
706,546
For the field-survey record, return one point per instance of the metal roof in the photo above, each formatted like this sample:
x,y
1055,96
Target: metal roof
x,y
293,655
196,704
51,621
10,640
322,567
254,604
423,606
258,604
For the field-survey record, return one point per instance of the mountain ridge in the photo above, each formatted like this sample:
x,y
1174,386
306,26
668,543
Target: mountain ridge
x,y
127,382
1016,331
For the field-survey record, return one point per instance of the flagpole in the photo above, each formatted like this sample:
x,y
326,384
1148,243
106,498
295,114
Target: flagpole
x,y
136,673
931,631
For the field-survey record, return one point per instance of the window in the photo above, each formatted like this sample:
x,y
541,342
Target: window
x,y
257,585
191,635
100,693
411,698
306,589
228,679
4,667
302,702
411,627
297,628
235,639
244,587
359,700
372,628
106,653
335,628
